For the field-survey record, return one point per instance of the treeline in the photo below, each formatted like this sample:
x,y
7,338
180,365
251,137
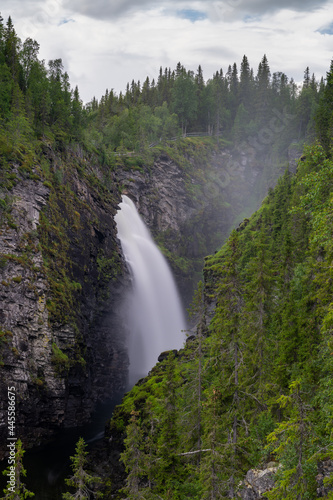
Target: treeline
x,y
237,105
36,100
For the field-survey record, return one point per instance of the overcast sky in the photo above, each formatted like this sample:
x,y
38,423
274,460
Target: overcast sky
x,y
107,43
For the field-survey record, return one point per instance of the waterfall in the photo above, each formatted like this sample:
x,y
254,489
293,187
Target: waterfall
x,y
153,310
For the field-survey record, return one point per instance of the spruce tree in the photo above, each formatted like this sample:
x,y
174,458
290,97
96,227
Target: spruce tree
x,y
133,457
83,482
227,329
245,83
324,115
12,48
169,463
292,444
263,92
18,491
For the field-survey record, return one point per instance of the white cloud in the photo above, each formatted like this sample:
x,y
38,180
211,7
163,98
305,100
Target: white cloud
x,y
102,52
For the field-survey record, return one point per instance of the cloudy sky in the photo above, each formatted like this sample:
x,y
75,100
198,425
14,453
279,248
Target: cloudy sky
x,y
107,43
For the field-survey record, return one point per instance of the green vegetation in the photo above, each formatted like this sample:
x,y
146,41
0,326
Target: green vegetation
x,y
37,104
83,482
5,336
15,472
60,359
255,386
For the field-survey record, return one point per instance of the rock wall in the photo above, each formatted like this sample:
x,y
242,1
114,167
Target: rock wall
x,y
60,369
257,483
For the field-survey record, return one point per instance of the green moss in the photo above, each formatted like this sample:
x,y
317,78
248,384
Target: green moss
x,y
5,337
184,264
60,359
108,267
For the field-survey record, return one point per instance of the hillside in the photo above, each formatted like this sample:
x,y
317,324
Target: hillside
x,y
253,389
254,386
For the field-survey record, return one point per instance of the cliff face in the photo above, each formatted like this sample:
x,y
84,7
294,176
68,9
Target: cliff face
x,y
62,278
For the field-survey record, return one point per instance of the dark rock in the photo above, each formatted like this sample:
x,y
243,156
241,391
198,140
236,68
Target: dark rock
x,y
294,156
257,483
325,471
46,398
164,355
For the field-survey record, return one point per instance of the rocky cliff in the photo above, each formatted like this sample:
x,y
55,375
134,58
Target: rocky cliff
x,y
62,277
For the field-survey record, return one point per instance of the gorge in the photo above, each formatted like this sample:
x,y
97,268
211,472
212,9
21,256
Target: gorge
x,y
233,179
188,213
62,267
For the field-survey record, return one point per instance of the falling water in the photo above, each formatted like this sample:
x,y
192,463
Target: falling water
x,y
153,310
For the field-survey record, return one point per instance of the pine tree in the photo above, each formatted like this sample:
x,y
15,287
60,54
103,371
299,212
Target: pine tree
x,y
77,114
184,99
263,91
169,463
6,87
292,436
306,81
213,475
201,99
11,50
145,94
2,41
258,346
234,90
217,90
39,92
324,115
226,325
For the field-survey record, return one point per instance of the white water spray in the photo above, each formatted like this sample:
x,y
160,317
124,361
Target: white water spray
x,y
153,309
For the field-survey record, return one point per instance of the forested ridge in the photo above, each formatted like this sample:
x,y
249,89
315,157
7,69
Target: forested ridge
x,y
37,102
254,386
